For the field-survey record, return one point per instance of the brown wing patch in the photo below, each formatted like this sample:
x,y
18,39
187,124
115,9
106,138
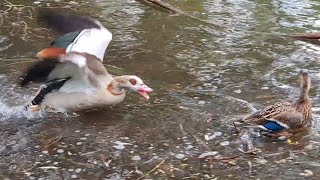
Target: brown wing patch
x,y
268,112
293,119
48,53
94,64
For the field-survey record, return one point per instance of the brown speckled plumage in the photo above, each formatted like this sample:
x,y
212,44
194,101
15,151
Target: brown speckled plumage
x,y
294,116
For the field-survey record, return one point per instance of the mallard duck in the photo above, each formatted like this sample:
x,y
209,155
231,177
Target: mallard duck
x,y
72,71
283,115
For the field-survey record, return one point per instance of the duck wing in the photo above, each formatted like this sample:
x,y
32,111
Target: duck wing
x,y
268,112
279,116
80,34
291,119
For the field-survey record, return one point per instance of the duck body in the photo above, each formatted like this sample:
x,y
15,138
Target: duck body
x,y
72,71
283,115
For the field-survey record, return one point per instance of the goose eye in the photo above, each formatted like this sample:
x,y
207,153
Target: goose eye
x,y
133,81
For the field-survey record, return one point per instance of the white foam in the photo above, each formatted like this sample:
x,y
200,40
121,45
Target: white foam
x,y
7,112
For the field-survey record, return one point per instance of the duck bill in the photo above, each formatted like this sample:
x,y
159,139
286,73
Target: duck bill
x,y
144,90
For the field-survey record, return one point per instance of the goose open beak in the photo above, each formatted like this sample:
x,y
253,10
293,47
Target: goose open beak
x,y
144,90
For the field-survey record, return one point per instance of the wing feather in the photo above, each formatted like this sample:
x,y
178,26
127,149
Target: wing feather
x,y
271,111
38,72
65,23
82,34
71,65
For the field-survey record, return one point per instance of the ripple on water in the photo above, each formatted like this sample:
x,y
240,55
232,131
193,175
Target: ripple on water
x,y
4,43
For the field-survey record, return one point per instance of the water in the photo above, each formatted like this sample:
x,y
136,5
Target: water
x,y
205,76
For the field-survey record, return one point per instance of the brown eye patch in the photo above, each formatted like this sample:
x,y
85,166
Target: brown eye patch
x,y
133,81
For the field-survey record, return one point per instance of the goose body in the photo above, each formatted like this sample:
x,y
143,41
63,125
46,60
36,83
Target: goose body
x,y
72,71
283,115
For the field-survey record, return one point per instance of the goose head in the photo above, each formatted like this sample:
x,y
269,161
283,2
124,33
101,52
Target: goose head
x,y
124,83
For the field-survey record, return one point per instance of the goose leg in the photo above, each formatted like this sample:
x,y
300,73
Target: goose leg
x,y
35,108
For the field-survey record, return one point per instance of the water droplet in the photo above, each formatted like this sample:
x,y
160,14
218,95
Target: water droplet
x,y
78,170
201,102
136,158
73,176
306,173
262,161
119,146
225,143
214,135
179,156
283,138
211,153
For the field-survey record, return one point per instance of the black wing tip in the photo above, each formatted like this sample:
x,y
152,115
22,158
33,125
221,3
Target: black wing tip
x,y
52,85
23,81
38,72
63,22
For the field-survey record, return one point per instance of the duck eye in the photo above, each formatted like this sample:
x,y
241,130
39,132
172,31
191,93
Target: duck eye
x,y
133,81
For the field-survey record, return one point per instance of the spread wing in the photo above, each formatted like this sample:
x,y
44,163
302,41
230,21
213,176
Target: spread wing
x,y
76,67
81,34
72,72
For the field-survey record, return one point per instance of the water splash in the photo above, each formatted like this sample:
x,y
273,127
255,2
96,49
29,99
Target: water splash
x,y
19,111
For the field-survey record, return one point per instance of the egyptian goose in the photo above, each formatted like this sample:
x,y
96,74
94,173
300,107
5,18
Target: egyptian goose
x,y
72,70
283,115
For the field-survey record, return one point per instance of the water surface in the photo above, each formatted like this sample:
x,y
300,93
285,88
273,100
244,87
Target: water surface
x,y
206,74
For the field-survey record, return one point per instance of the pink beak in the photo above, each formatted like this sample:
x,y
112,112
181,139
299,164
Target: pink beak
x,y
144,90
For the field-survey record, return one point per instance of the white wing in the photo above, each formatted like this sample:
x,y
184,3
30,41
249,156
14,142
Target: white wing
x,y
73,66
93,41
